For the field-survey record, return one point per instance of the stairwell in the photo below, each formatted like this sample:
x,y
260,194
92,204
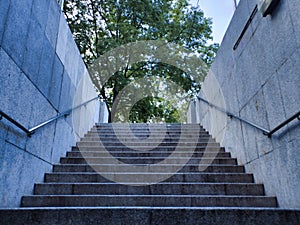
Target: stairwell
x,y
149,174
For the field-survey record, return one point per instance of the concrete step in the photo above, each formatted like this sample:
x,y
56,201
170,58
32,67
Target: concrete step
x,y
146,130
169,140
150,216
185,188
140,178
145,143
171,125
148,200
146,160
162,150
146,148
148,134
142,154
92,177
91,168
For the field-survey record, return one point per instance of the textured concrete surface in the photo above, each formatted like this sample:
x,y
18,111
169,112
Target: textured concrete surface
x,y
260,83
132,181
149,216
40,74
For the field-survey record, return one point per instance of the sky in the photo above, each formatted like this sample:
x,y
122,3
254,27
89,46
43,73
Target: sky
x,y
220,11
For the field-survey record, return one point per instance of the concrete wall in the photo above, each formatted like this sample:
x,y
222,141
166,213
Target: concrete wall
x,y
41,75
260,82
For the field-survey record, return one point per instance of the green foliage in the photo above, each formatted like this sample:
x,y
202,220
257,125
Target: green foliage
x,y
100,26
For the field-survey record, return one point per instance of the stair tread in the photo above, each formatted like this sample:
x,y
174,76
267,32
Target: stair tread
x,y
75,183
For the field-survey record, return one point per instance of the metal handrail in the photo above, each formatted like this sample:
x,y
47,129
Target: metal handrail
x,y
31,131
265,131
63,114
17,124
297,115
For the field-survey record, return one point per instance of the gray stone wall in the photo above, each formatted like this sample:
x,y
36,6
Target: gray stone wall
x,y
41,74
260,82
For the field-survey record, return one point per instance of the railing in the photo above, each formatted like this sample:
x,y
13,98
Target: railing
x,y
265,131
31,131
17,124
297,115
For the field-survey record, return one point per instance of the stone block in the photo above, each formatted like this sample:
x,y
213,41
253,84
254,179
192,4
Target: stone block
x,y
286,164
250,146
289,80
72,58
222,69
34,49
264,145
82,71
260,50
3,135
40,143
4,126
64,139
247,82
233,140
294,11
56,83
210,87
53,23
61,44
273,101
19,171
64,102
41,109
16,137
16,29
40,11
255,111
14,90
282,36
294,129
4,6
11,170
46,68
229,91
293,165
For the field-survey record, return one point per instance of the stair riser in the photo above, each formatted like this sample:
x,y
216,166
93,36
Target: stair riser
x,y
167,140
147,149
159,189
152,154
214,169
56,201
155,177
147,134
224,161
147,129
150,216
206,178
113,144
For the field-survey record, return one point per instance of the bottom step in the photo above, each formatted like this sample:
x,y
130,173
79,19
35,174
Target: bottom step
x,y
150,216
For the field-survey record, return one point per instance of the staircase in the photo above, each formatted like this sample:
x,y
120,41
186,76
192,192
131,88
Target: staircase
x,y
150,174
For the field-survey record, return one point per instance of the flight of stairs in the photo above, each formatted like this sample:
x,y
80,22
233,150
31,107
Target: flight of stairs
x,y
150,174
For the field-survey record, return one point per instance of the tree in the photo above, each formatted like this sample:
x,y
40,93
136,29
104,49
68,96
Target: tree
x,y
100,26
